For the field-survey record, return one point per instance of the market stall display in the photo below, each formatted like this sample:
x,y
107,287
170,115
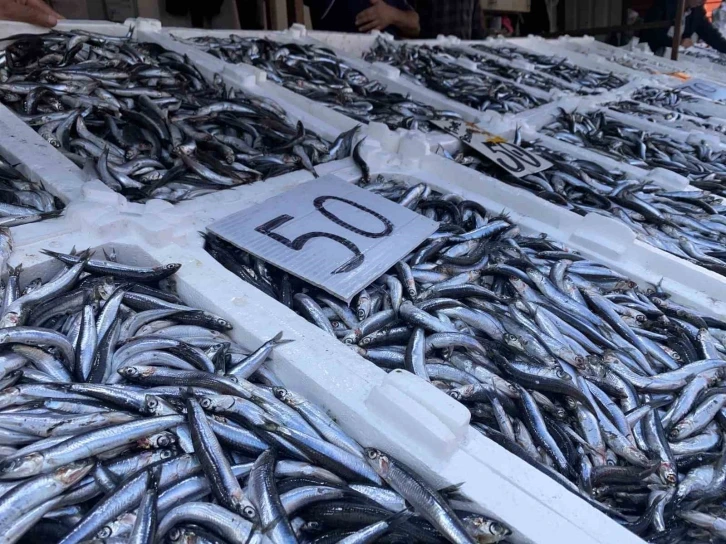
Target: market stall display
x,y
546,366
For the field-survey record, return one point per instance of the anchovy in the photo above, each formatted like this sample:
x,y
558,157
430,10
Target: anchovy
x,y
566,363
147,120
97,456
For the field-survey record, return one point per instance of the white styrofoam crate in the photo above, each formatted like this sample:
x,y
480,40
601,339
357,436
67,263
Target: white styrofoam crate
x,y
397,412
351,48
684,123
537,120
21,145
701,58
326,121
24,148
540,45
632,58
695,105
597,237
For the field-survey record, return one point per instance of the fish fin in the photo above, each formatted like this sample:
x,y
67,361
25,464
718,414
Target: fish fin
x,y
278,340
451,489
50,215
54,254
399,517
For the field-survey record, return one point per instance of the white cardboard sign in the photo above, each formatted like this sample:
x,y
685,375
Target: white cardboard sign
x,y
514,159
329,233
706,88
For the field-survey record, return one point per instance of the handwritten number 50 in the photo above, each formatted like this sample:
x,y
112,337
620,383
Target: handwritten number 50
x,y
298,243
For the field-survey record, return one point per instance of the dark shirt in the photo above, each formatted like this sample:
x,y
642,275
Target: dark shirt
x,y
342,14
695,23
460,18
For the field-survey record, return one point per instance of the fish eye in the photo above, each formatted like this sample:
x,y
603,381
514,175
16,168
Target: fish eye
x,y
455,395
279,392
249,512
233,379
372,454
206,403
152,403
165,454
171,266
175,534
106,532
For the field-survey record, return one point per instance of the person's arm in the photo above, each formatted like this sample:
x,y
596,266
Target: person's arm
x,y
381,15
30,11
707,32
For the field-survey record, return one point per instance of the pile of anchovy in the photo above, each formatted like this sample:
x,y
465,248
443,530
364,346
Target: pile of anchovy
x,y
613,391
704,167
319,74
537,79
711,55
23,201
688,224
672,100
675,119
147,120
127,416
557,66
439,71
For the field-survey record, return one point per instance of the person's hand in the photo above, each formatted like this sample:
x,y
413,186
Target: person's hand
x,y
35,12
377,17
686,42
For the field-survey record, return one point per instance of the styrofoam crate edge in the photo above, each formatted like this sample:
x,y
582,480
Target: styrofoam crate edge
x,y
396,412
598,237
34,157
399,82
326,121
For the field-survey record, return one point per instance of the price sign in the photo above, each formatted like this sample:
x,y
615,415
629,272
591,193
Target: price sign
x,y
514,159
706,88
329,233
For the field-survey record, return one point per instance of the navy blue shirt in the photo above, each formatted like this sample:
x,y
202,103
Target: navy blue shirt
x,y
342,14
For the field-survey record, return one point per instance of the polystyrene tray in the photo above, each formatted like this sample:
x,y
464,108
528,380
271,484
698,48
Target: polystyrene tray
x,y
597,237
537,120
396,412
21,145
631,58
352,48
326,121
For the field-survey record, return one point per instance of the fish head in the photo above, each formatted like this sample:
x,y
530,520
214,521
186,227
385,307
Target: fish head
x,y
379,461
222,323
512,341
282,394
172,267
131,372
216,403
73,472
455,394
163,439
312,527
668,474
349,339
21,467
561,374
